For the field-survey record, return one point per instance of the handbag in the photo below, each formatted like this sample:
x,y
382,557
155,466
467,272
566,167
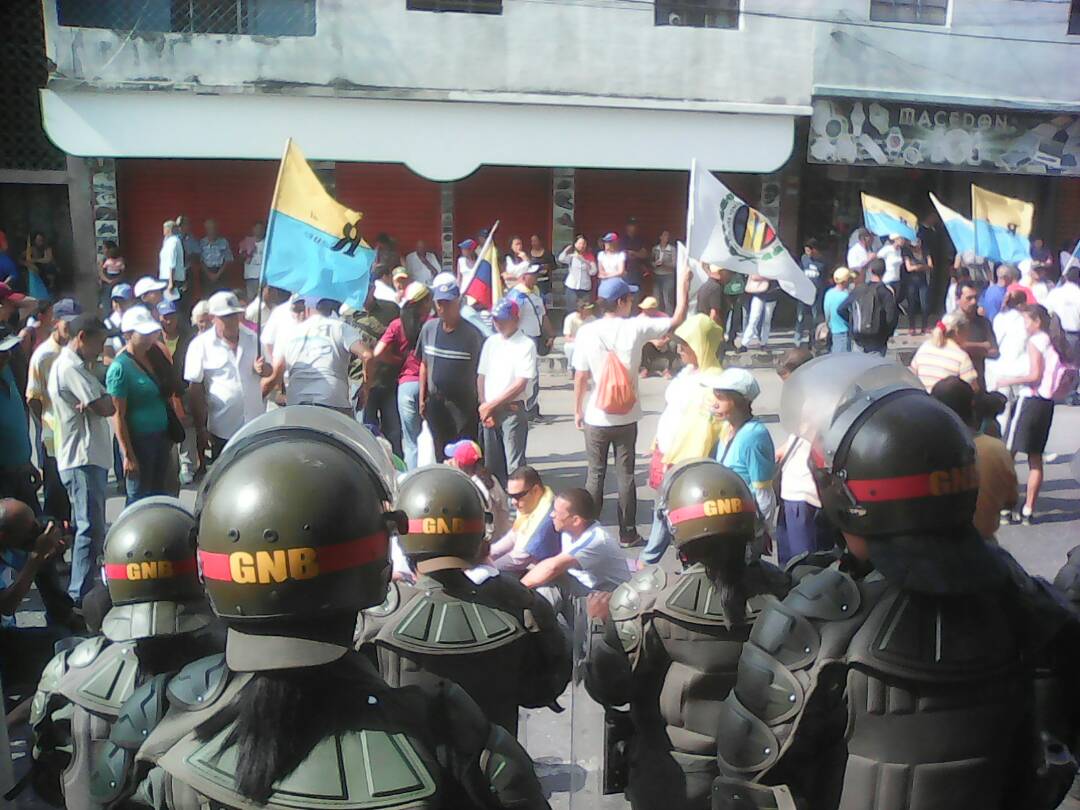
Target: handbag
x,y
174,429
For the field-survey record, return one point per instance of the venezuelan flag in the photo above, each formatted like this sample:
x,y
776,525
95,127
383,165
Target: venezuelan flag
x,y
313,244
485,287
1002,226
960,228
884,218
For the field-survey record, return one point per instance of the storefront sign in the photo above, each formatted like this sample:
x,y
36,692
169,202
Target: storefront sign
x,y
871,133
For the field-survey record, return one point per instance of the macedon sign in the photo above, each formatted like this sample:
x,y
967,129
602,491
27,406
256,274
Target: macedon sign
x,y
871,133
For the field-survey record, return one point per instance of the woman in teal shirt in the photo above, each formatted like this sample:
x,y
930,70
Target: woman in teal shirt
x,y
838,327
141,421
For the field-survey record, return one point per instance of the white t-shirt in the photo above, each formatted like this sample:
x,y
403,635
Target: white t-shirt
x,y
506,360
602,564
464,269
418,270
385,292
1064,301
171,260
857,256
37,385
1045,387
531,309
253,264
515,268
572,323
80,439
610,265
625,337
316,354
1011,334
233,397
796,481
277,326
894,260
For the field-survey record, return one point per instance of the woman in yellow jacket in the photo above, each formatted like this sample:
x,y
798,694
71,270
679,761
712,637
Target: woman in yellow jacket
x,y
687,428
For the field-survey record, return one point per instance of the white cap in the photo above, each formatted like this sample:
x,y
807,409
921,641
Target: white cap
x,y
148,285
738,380
224,303
139,319
442,278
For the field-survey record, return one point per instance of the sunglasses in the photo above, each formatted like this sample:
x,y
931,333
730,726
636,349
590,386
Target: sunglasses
x,y
517,496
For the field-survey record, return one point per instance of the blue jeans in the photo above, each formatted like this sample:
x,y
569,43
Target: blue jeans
x,y
573,296
804,323
408,403
664,286
504,444
841,343
659,539
152,452
86,490
918,299
796,531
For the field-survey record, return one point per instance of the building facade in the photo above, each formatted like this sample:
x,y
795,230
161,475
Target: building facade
x,y
436,117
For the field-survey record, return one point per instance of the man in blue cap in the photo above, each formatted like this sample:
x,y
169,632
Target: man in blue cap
x,y
449,351
607,355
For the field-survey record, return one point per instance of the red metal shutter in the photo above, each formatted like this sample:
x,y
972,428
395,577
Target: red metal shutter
x,y
604,199
234,193
520,198
1068,214
392,200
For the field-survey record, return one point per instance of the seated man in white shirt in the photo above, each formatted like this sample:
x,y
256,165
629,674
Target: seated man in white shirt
x,y
590,560
422,264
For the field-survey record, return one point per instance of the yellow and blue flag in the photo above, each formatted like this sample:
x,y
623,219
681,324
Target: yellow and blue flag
x,y
884,218
960,228
313,243
1002,226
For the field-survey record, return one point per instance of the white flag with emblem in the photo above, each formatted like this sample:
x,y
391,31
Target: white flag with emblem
x,y
724,231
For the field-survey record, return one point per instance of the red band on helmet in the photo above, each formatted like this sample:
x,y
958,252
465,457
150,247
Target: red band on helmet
x,y
711,508
443,525
921,485
149,569
276,565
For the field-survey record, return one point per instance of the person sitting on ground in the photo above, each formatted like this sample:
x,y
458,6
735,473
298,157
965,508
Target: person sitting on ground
x,y
533,536
656,354
582,314
466,455
941,356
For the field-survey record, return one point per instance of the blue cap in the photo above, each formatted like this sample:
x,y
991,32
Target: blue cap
x,y
610,237
612,289
505,310
467,244
166,307
122,292
65,309
447,291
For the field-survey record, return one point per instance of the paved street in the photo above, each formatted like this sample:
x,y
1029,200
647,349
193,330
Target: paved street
x,y
557,450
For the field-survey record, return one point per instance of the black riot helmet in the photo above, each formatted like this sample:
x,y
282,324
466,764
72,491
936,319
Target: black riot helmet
x,y
294,536
151,572
705,500
445,513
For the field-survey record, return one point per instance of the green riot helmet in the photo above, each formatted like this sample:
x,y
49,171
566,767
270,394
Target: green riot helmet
x,y
705,499
294,536
151,572
445,511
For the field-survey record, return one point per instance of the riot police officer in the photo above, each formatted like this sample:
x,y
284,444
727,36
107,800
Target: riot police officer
x,y
483,630
294,525
681,635
159,621
912,683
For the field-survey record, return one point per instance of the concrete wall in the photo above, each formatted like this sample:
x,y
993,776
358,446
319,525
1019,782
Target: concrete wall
x,y
610,49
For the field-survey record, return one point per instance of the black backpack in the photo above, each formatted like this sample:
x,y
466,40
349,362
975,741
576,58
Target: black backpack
x,y
867,313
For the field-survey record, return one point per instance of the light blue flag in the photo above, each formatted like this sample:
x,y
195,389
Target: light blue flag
x,y
961,230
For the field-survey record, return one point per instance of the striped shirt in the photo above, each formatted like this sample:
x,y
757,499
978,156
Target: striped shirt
x,y
933,363
451,359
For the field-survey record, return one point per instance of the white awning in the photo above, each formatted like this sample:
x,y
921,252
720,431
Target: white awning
x,y
441,140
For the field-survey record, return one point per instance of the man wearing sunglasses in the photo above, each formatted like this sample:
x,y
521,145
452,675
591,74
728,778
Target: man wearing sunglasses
x,y
533,536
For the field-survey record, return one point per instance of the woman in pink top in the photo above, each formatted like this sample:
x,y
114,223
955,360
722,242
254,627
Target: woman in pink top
x,y
396,347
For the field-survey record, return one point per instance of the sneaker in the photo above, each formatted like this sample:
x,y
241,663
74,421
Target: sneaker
x,y
631,540
1026,517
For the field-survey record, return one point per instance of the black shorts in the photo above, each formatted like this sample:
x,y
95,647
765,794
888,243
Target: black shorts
x,y
1029,427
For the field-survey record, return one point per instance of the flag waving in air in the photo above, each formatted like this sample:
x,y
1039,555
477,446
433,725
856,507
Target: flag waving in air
x,y
1002,226
884,218
960,229
313,244
484,286
724,231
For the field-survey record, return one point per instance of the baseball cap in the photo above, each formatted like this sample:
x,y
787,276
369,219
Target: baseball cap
x,y
139,319
87,323
534,268
8,294
148,285
166,308
841,275
737,380
506,310
416,292
8,339
610,237
122,292
467,244
223,304
447,291
464,451
65,309
648,303
612,289
399,272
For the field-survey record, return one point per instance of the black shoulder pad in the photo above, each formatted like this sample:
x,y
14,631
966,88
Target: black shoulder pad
x,y
109,773
787,636
830,595
766,687
199,684
140,714
744,743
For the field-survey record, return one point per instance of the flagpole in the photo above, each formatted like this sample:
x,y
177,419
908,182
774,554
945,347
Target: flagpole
x,y
266,246
479,258
974,225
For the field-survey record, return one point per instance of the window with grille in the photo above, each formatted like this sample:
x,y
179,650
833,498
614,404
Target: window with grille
x,y
925,12
1074,17
271,18
457,6
698,13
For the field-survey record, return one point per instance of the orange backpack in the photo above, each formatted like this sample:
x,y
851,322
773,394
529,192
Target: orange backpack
x,y
615,392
